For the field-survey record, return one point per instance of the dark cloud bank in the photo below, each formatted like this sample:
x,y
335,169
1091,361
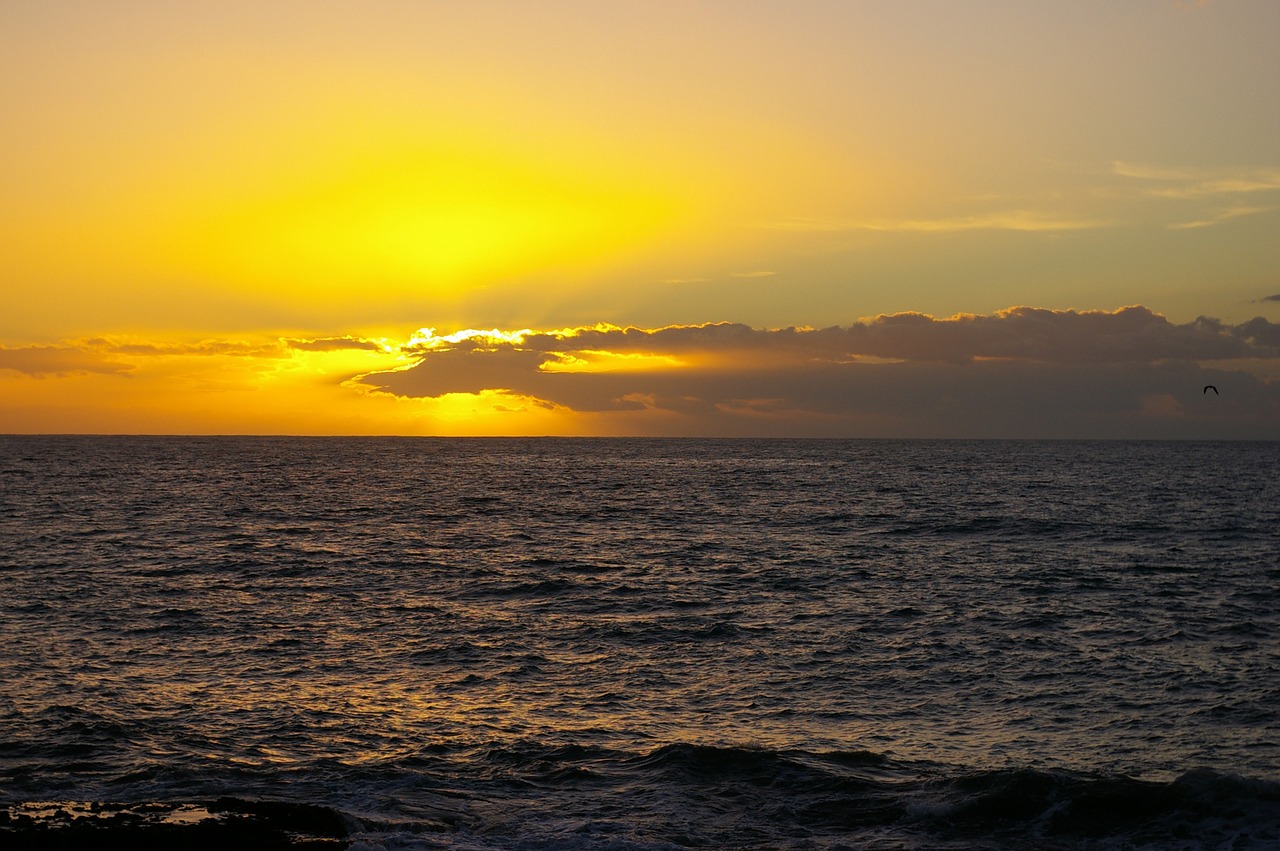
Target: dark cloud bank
x,y
1023,372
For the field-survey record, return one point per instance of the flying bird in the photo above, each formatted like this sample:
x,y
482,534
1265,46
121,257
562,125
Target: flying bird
x,y
1209,387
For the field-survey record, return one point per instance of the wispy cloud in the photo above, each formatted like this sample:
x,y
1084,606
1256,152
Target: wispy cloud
x,y
1148,171
1014,220
1200,183
1200,197
1208,197
1217,217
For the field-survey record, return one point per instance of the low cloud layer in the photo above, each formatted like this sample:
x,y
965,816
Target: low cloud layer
x,y
333,344
49,361
114,357
1023,371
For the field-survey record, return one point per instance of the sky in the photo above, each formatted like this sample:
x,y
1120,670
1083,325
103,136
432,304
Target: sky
x,y
881,218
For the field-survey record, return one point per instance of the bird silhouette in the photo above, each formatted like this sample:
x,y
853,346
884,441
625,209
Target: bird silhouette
x,y
1209,387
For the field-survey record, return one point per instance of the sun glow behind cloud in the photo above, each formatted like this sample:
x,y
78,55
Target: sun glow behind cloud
x,y
280,386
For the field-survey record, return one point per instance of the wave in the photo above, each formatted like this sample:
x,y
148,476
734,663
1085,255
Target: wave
x,y
834,791
677,795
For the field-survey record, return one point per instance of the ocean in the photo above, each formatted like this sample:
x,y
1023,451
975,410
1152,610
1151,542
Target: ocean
x,y
550,643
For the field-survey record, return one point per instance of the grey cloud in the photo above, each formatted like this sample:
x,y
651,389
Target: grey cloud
x,y
1131,334
1025,371
986,399
462,370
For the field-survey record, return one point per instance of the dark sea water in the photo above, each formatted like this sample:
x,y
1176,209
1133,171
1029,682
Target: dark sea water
x,y
647,644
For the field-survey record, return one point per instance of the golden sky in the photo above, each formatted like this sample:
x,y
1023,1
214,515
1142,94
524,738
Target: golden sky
x,y
891,217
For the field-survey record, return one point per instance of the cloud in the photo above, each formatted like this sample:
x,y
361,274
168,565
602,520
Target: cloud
x,y
1199,197
1013,220
106,356
46,361
1027,371
1130,334
205,348
1200,183
1217,217
1271,297
1021,372
333,344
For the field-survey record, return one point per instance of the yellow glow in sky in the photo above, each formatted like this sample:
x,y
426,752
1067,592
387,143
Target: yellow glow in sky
x,y
178,173
437,220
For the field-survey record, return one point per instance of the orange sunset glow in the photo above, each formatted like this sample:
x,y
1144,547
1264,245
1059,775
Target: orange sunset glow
x,y
866,219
